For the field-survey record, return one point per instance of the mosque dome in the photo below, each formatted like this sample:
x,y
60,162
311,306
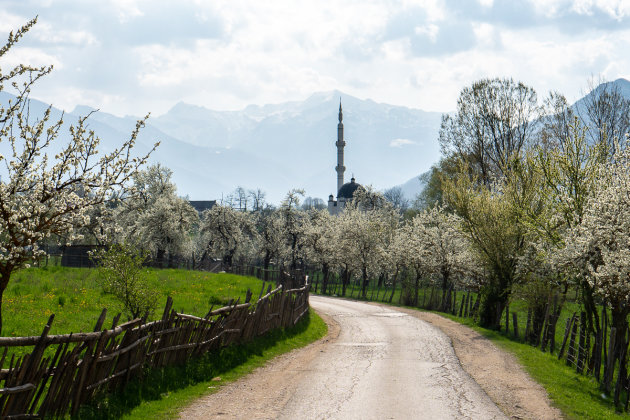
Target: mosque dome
x,y
348,189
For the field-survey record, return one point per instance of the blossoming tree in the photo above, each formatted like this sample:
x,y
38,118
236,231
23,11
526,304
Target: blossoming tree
x,y
446,250
600,244
156,218
42,193
226,233
320,239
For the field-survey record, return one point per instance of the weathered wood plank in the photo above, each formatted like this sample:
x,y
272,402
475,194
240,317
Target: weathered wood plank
x,y
109,378
17,389
122,350
64,338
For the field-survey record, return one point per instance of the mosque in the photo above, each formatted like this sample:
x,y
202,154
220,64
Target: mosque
x,y
345,192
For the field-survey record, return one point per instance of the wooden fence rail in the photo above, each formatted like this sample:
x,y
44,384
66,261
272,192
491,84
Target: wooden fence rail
x,y
36,384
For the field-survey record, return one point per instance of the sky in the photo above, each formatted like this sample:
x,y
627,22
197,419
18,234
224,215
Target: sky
x,y
130,57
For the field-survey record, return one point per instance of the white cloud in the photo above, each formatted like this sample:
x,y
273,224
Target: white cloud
x,y
10,22
226,54
30,56
617,9
400,142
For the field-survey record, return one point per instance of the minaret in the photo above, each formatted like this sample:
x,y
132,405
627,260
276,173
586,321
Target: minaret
x,y
340,144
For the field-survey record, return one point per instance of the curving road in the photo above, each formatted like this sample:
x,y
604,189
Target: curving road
x,y
385,365
377,363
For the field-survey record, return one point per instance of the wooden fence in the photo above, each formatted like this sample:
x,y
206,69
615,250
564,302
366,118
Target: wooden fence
x,y
80,365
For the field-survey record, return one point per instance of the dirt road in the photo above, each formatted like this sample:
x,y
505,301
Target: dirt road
x,y
384,364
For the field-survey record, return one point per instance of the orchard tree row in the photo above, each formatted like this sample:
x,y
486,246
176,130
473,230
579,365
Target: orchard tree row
x,y
542,194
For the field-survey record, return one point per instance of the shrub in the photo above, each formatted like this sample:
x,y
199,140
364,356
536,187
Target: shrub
x,y
120,272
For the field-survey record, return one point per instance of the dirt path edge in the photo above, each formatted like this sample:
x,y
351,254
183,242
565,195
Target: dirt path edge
x,y
263,393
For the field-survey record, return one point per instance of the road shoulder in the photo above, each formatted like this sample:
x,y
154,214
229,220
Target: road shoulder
x,y
263,393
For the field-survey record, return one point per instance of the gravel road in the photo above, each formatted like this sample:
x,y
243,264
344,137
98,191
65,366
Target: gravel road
x,y
385,365
376,363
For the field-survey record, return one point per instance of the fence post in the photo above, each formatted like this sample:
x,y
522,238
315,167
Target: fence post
x,y
567,329
85,365
621,375
571,350
528,325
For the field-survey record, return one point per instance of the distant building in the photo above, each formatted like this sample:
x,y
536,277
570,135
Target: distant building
x,y
345,192
202,206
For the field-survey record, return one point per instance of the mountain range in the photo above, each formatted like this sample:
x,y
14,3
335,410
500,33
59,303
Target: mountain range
x,y
292,144
279,147
275,147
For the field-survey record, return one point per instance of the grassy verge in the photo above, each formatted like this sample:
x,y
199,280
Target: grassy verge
x,y
164,392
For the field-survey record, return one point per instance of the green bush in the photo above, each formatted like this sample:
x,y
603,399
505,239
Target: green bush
x,y
120,273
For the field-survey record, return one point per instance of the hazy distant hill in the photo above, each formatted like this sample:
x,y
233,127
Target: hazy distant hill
x,y
413,187
276,147
199,172
620,85
281,146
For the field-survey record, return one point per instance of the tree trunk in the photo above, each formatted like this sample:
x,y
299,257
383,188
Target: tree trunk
x,y
266,262
393,286
1,298
344,281
159,258
492,307
325,272
365,283
417,290
620,323
446,291
227,261
590,307
447,300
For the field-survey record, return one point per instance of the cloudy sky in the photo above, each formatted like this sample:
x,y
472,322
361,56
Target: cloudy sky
x,y
136,56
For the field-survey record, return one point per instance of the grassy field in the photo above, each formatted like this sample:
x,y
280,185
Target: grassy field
x,y
76,298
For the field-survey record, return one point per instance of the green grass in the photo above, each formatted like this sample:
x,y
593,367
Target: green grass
x,y
76,298
164,392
